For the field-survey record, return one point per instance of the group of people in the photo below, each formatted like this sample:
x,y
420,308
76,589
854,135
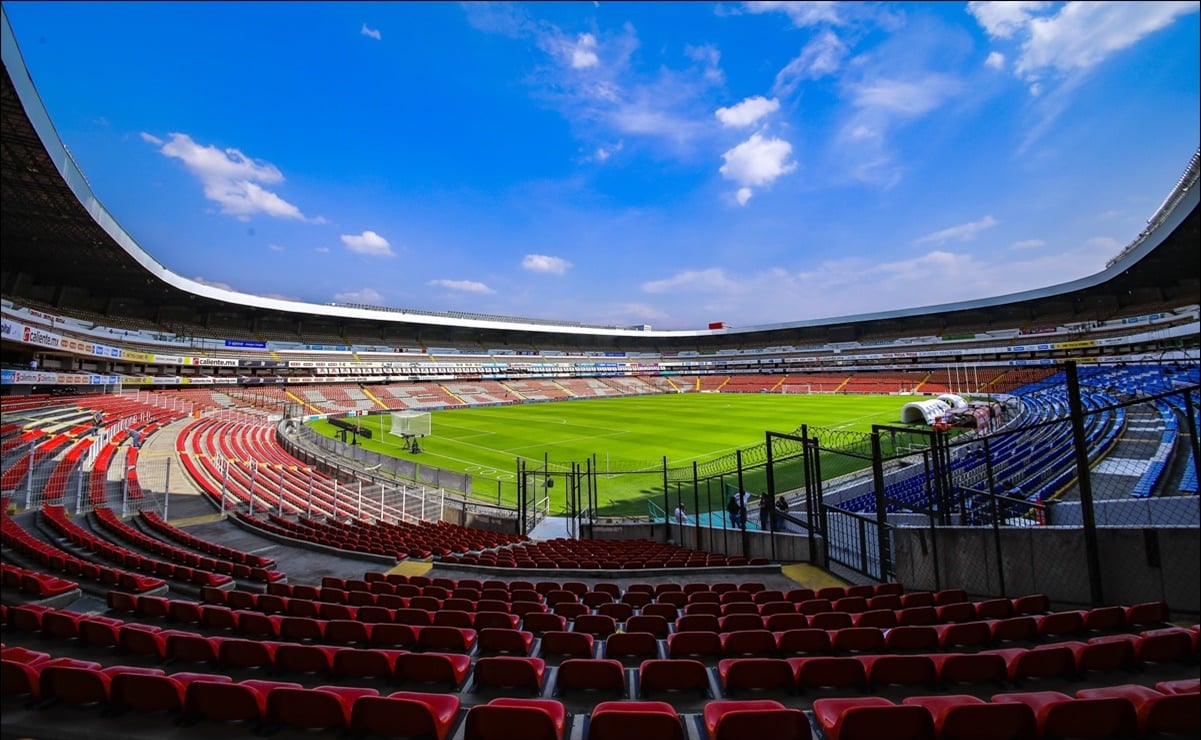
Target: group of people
x,y
737,508
739,503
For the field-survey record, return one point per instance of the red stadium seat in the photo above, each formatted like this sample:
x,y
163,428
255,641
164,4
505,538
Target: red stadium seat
x,y
446,639
1060,715
912,638
516,719
541,622
759,642
805,641
324,707
871,717
966,717
511,641
687,644
638,645
230,702
240,653
440,668
653,623
365,663
823,672
1158,713
623,720
597,625
669,675
591,674
908,670
970,668
1047,661
298,658
734,720
759,674
405,714
510,672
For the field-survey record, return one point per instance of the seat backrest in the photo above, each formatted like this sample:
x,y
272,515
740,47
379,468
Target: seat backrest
x,y
745,719
591,674
510,672
632,644
559,642
680,644
305,708
224,702
621,720
404,714
486,721
673,674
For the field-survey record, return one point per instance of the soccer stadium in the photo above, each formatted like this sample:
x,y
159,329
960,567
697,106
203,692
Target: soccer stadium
x,y
240,516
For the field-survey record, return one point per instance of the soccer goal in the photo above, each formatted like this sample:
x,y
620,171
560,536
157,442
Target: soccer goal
x,y
411,424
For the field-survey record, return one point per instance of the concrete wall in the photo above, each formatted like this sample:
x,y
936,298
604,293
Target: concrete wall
x,y
789,548
1137,565
1158,511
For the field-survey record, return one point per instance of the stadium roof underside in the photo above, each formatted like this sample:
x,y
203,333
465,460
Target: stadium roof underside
x,y
63,250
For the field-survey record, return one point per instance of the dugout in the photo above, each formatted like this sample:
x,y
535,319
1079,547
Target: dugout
x,y
928,411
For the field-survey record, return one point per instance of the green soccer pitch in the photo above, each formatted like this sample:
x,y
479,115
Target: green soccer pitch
x,y
617,434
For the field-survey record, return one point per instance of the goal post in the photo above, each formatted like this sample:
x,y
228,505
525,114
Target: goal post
x,y
409,424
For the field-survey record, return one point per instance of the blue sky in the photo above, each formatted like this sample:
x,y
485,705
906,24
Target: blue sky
x,y
669,164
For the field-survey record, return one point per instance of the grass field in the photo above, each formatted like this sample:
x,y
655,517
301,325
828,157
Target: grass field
x,y
619,435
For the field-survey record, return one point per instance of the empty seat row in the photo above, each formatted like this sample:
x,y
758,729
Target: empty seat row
x,y
35,583
1128,711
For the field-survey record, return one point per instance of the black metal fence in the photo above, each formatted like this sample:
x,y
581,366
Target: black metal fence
x,y
1087,491
1075,480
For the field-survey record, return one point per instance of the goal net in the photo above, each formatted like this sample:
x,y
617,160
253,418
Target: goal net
x,y
411,424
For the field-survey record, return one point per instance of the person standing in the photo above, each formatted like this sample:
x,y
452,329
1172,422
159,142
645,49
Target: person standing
x,y
764,512
734,507
681,515
781,507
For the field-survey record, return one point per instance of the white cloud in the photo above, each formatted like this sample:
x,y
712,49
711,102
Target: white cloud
x,y
603,94
603,153
584,55
545,263
747,112
1104,243
905,97
995,60
962,233
756,162
881,103
743,195
802,14
213,283
372,33
465,286
710,59
275,248
822,56
321,250
365,296
1074,36
151,138
368,243
1004,19
1029,244
230,178
1082,34
696,281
